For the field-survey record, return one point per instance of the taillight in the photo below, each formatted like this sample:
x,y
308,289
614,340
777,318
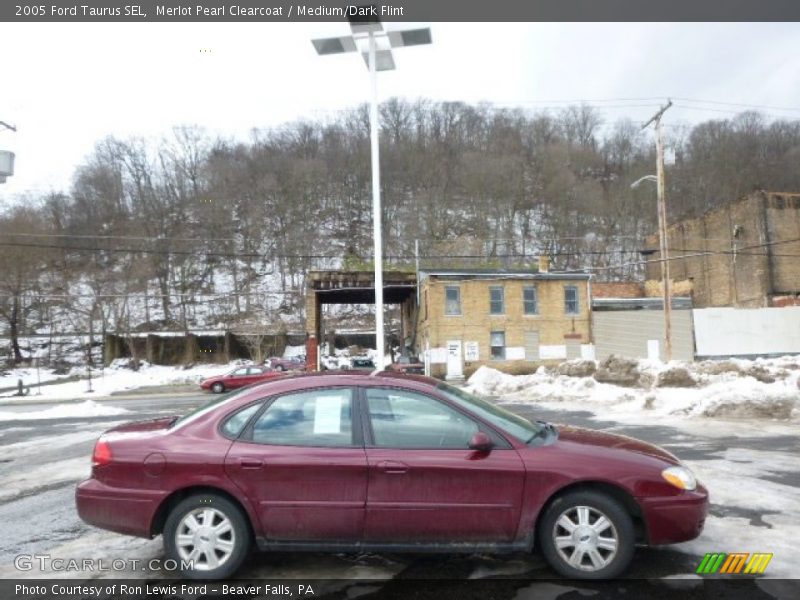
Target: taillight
x,y
102,453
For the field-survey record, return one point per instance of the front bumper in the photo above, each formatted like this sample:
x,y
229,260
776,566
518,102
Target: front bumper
x,y
673,519
117,509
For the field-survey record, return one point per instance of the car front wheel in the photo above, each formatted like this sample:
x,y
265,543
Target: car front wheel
x,y
587,535
207,536
218,388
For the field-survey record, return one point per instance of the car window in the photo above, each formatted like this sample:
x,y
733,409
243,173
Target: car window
x,y
235,423
518,426
313,418
209,406
255,371
240,372
404,419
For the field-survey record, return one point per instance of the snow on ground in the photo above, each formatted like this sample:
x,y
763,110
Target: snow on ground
x,y
28,376
727,394
46,442
31,479
87,408
119,377
736,482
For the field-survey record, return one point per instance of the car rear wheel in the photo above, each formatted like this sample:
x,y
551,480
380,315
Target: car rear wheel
x,y
218,388
280,368
207,536
587,535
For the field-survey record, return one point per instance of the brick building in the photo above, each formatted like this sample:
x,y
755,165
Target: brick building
x,y
745,254
509,320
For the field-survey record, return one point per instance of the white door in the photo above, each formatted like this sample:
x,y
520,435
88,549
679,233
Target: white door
x,y
455,366
531,345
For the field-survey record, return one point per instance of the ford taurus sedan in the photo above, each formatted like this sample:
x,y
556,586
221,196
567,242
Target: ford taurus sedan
x,y
384,462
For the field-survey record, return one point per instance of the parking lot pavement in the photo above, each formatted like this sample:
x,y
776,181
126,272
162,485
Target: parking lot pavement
x,y
43,459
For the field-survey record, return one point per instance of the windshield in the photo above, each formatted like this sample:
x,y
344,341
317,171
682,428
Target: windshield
x,y
515,425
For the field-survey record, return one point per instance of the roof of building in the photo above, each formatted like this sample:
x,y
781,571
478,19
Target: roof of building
x,y
678,302
501,274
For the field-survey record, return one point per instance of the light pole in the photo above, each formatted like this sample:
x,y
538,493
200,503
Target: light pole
x,y
369,31
664,253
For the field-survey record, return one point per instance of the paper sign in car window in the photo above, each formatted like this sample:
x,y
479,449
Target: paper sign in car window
x,y
328,414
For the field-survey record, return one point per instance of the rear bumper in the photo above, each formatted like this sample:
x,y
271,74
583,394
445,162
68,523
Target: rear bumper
x,y
117,509
677,518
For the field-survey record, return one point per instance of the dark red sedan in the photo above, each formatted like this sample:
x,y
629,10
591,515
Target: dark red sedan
x,y
239,377
386,462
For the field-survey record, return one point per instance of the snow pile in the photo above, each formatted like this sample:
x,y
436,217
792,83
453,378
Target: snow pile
x,y
490,382
65,411
763,389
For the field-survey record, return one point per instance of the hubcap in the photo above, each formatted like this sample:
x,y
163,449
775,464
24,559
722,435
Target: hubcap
x,y
206,537
585,538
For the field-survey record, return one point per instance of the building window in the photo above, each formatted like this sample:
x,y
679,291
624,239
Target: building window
x,y
497,342
530,300
452,300
497,304
571,304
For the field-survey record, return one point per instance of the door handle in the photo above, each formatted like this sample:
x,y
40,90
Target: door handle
x,y
392,467
251,463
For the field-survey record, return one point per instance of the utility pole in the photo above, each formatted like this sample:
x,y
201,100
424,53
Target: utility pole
x,y
662,229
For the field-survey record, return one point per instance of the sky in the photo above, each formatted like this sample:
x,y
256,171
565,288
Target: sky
x,y
65,86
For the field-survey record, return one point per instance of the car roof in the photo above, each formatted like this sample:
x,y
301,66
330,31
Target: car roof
x,y
345,377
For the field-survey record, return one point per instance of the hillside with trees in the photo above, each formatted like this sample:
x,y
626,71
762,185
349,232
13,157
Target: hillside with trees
x,y
192,231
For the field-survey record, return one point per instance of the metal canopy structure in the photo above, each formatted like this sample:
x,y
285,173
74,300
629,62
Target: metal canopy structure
x,y
375,45
349,287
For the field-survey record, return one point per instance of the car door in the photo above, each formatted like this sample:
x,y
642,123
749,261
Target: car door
x,y
255,374
237,379
425,484
302,464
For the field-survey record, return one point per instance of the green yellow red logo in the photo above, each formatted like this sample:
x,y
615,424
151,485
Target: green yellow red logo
x,y
734,563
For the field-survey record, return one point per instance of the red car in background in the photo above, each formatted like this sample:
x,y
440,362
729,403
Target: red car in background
x,y
384,462
239,377
407,364
295,363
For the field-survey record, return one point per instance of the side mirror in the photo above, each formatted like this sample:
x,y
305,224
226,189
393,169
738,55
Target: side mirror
x,y
481,442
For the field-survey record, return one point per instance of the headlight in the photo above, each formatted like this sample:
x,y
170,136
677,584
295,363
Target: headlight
x,y
680,477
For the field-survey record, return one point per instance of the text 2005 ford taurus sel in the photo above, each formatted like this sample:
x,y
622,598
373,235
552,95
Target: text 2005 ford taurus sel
x,y
386,462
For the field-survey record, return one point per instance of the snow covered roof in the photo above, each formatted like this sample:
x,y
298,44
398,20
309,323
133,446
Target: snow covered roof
x,y
502,274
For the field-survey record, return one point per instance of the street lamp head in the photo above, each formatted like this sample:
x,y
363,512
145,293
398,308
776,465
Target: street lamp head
x,y
410,37
384,61
636,183
6,164
370,25
335,45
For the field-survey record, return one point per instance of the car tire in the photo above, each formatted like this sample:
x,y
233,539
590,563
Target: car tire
x,y
577,544
280,368
218,387
230,548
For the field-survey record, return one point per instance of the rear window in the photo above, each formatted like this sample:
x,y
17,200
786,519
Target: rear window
x,y
235,423
209,406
